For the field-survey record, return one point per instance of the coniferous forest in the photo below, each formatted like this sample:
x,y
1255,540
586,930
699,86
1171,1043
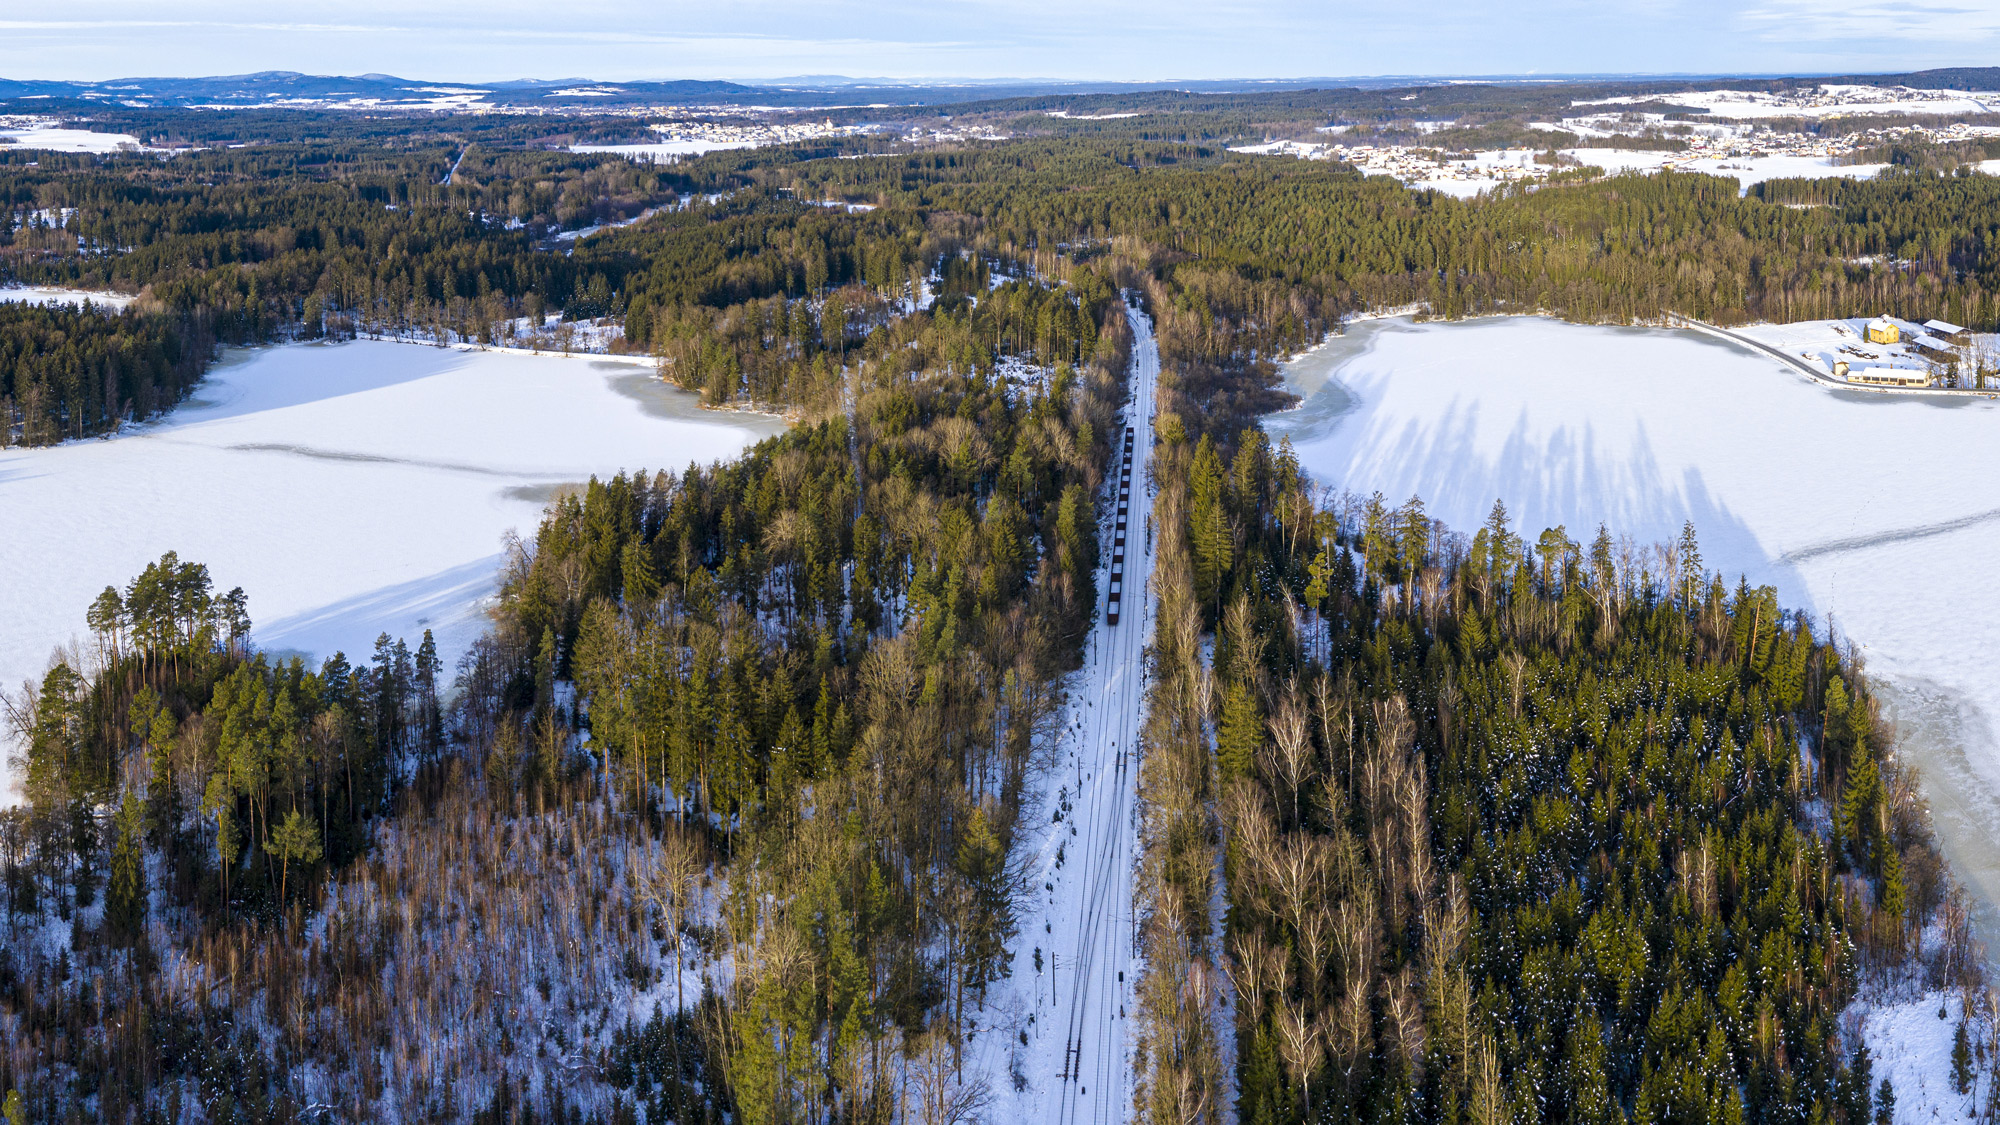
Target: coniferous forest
x,y
1512,830
719,820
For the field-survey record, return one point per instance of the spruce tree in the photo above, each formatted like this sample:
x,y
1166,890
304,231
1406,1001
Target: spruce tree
x,y
1690,566
1856,817
125,900
1242,730
1961,1060
642,579
1208,525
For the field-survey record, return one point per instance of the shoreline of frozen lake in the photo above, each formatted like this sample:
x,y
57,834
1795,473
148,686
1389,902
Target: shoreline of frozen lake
x,y
351,489
1864,510
42,295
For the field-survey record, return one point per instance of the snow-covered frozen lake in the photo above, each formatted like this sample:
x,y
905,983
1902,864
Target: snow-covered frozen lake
x,y
350,489
1877,512
69,140
37,295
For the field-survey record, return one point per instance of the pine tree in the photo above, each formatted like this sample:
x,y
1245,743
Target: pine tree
x,y
1375,539
295,841
982,863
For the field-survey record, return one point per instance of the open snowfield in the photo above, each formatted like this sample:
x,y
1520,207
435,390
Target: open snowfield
x,y
1491,168
1826,100
1874,512
350,489
1747,170
69,140
33,295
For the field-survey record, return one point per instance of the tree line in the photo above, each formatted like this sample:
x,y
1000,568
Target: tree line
x,y
67,371
735,279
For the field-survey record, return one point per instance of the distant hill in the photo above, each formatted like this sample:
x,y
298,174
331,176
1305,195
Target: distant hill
x,y
284,89
1948,78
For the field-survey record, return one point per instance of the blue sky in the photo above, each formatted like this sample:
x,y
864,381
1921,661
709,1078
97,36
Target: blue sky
x,y
1137,40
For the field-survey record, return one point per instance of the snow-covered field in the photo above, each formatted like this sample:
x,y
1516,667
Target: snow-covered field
x,y
68,140
1747,170
350,489
1873,512
693,138
1491,168
34,295
1826,100
1909,1037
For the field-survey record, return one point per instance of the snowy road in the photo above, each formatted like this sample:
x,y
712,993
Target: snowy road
x,y
1076,953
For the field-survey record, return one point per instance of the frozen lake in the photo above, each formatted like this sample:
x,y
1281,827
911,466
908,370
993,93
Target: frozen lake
x,y
55,139
350,489
1877,512
36,295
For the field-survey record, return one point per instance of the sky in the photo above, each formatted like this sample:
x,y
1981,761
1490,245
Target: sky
x,y
1123,40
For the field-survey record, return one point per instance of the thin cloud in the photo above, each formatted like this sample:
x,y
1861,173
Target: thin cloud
x,y
754,40
213,25
1819,21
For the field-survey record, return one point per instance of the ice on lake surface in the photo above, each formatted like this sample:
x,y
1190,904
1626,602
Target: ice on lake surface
x,y
1877,512
54,139
36,295
350,489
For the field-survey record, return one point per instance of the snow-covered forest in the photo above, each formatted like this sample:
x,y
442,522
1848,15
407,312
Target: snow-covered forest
x,y
731,805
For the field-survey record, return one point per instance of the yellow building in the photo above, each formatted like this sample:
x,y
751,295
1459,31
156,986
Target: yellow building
x,y
1882,330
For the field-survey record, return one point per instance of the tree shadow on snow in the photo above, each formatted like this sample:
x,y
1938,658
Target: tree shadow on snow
x,y
449,603
1568,475
253,380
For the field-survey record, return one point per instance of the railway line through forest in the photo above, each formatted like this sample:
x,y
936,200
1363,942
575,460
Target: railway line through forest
x,y
1100,964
